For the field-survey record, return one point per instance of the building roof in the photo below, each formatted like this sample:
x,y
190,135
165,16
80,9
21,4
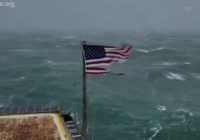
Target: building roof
x,y
32,123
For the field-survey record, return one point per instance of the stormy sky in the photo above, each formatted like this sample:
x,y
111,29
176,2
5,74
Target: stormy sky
x,y
139,15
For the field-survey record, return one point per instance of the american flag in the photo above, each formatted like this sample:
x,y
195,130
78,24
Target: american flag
x,y
97,56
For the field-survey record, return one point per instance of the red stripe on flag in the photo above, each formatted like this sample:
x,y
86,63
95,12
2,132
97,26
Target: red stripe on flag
x,y
116,53
100,62
116,56
96,70
124,51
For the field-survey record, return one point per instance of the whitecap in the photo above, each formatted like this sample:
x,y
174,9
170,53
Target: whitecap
x,y
50,62
191,114
182,110
21,78
121,61
187,63
166,63
185,111
161,107
171,63
196,75
141,50
179,119
69,37
157,128
162,48
158,49
175,76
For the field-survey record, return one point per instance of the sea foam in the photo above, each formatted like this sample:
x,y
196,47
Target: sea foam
x,y
175,76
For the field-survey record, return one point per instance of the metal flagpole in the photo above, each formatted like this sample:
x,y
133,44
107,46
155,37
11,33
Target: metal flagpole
x,y
84,125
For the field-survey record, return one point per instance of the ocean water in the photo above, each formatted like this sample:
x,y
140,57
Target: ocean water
x,y
158,98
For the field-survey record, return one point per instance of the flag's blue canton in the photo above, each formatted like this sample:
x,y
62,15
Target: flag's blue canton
x,y
94,52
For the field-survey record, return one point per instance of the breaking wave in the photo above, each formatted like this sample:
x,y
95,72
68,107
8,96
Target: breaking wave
x,y
170,63
156,129
196,75
69,37
142,50
161,107
155,50
175,76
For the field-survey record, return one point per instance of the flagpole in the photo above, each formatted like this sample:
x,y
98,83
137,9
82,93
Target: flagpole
x,y
84,125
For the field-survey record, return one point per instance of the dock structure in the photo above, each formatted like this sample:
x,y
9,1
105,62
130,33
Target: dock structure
x,y
36,123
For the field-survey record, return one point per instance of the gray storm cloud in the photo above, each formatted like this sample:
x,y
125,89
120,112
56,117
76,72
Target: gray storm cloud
x,y
139,15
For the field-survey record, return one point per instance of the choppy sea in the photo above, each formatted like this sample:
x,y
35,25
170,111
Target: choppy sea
x,y
158,98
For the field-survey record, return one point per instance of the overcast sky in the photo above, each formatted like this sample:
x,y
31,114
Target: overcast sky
x,y
140,15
